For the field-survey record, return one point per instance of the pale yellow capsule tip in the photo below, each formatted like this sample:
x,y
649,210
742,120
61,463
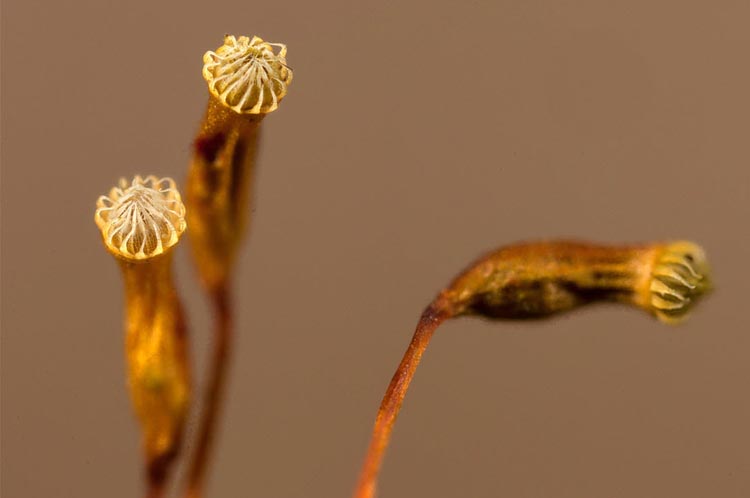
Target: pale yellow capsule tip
x,y
679,277
248,75
141,219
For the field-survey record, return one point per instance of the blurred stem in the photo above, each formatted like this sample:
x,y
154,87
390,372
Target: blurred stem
x,y
214,392
158,371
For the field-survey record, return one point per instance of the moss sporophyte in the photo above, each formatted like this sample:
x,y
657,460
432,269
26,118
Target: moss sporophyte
x,y
538,280
247,78
140,222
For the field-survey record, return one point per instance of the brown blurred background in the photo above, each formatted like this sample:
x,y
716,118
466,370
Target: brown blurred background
x,y
415,136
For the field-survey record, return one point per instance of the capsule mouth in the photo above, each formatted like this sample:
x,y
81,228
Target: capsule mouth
x,y
248,75
141,219
679,278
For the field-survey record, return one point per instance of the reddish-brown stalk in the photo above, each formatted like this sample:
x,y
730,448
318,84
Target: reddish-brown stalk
x,y
432,317
214,391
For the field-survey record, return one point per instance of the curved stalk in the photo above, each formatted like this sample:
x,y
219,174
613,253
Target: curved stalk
x,y
538,280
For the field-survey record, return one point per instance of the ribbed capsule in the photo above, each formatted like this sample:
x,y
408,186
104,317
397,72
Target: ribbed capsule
x,y
247,74
141,219
679,277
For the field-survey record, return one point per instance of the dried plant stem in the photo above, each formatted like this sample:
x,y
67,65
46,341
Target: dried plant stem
x,y
432,317
214,391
